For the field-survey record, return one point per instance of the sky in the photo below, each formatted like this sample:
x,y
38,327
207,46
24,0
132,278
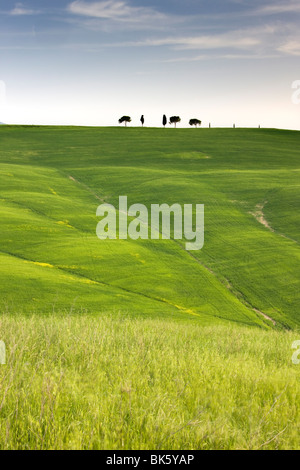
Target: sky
x,y
225,62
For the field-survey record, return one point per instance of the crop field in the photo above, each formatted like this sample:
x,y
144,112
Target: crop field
x,y
118,383
138,344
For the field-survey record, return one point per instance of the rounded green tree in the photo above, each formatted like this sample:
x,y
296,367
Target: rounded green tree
x,y
174,120
195,122
125,119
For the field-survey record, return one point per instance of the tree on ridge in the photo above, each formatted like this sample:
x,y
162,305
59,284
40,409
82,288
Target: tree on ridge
x,y
125,119
174,120
195,122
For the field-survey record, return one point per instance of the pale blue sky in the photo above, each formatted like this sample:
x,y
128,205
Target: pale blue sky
x,y
89,62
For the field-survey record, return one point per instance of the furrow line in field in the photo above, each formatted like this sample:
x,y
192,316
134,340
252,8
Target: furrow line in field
x,y
43,215
260,217
73,276
234,292
246,304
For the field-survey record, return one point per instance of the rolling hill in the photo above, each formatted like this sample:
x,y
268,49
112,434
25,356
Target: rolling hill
x,y
52,180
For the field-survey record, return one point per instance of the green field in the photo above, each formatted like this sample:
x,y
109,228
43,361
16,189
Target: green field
x,y
53,179
223,317
81,382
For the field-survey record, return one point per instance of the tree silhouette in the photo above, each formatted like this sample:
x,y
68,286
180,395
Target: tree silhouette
x,y
124,119
195,122
165,120
174,120
142,120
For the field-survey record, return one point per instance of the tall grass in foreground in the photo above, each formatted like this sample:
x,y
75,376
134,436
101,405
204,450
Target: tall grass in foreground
x,y
111,382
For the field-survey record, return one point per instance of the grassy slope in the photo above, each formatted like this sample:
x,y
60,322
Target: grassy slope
x,y
74,382
52,180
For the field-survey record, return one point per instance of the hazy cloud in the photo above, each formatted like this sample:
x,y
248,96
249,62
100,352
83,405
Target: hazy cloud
x,y
205,42
21,10
291,48
283,7
114,10
249,38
